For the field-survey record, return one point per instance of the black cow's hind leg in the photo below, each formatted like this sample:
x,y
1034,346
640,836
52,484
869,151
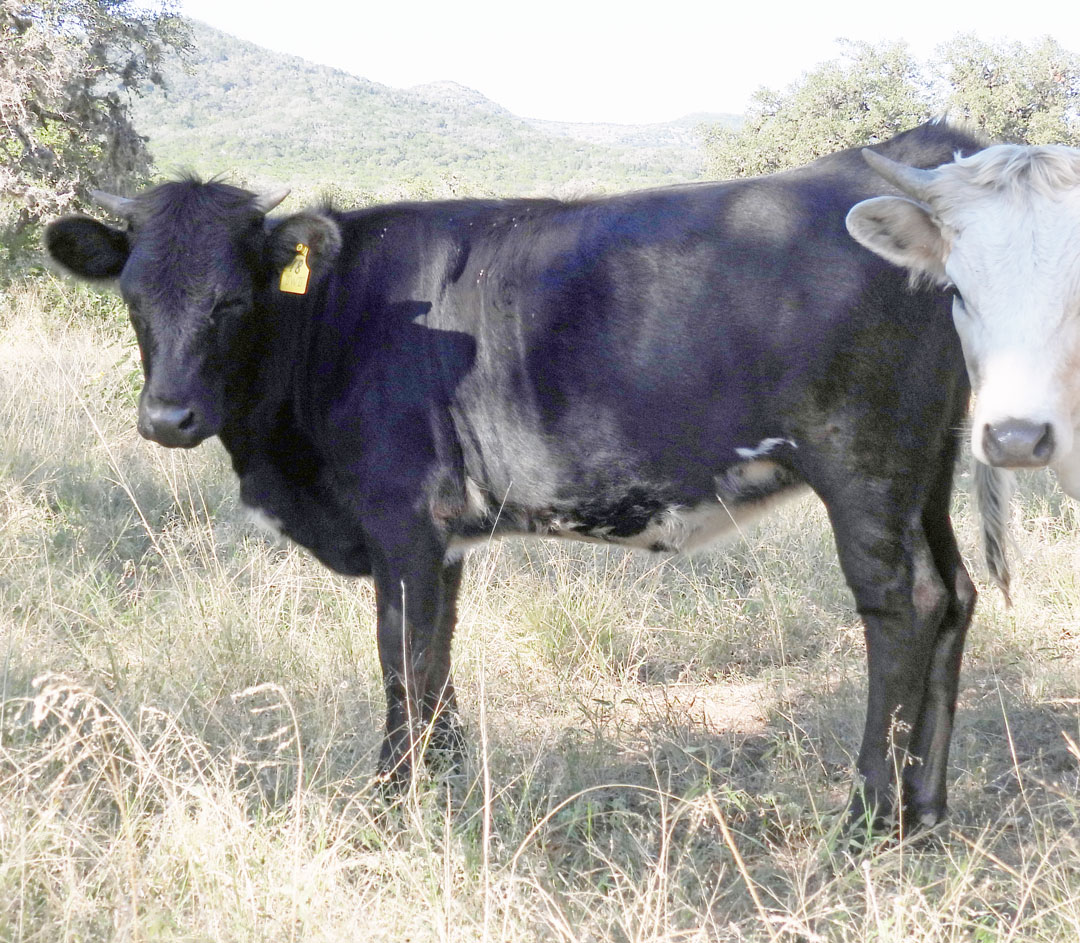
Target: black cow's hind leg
x,y
924,791
903,601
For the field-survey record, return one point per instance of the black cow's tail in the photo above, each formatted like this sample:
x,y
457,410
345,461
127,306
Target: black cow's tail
x,y
993,491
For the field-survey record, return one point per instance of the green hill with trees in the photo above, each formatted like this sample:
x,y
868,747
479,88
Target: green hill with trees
x,y
234,107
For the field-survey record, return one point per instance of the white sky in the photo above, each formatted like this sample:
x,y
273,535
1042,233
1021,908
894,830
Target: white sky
x,y
633,61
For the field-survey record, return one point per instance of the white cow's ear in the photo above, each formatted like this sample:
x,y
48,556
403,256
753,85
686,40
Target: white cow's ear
x,y
902,231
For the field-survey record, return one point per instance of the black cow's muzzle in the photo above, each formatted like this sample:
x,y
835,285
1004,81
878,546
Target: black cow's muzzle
x,y
171,424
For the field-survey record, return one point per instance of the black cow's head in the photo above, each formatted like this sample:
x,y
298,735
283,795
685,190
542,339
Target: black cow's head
x,y
190,264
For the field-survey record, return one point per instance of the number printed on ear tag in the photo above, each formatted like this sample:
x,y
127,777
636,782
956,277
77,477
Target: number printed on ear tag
x,y
294,278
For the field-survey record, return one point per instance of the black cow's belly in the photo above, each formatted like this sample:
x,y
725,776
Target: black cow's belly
x,y
673,517
303,499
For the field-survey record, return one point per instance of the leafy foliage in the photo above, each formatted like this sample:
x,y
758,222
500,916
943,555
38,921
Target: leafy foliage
x,y
1012,92
869,95
67,70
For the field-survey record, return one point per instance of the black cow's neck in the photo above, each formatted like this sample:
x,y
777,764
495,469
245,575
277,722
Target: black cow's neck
x,y
271,372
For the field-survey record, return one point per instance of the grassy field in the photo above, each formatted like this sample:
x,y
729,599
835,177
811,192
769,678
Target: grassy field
x,y
659,749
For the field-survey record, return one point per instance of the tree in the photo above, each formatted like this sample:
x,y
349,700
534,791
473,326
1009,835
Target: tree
x,y
1012,92
67,71
869,94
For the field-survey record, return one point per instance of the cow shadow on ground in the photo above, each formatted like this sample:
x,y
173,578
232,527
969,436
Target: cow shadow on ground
x,y
791,762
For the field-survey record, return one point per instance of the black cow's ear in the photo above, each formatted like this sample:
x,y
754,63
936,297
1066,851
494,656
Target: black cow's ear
x,y
87,248
319,236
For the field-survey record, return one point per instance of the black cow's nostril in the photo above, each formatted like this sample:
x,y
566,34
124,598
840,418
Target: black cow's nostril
x,y
1018,443
170,424
164,416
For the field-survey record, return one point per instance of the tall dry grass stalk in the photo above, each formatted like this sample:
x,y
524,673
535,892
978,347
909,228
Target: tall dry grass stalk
x,y
659,748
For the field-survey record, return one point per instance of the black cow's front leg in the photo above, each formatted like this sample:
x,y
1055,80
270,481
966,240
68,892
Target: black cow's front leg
x,y
443,738
413,608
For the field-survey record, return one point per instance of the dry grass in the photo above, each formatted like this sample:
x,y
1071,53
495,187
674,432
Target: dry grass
x,y
659,748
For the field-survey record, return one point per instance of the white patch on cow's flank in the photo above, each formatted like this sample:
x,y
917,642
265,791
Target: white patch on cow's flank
x,y
764,447
757,475
686,529
744,493
459,546
690,529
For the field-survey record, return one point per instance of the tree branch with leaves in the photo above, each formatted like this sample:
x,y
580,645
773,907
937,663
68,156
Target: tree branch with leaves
x,y
1009,91
67,71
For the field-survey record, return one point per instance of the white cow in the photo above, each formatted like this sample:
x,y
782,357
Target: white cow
x,y
1002,229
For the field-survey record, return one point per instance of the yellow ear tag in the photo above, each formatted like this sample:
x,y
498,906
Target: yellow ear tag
x,y
294,278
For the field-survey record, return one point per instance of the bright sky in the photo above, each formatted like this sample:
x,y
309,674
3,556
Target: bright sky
x,y
598,60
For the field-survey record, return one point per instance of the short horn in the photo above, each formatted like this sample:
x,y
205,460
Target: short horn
x,y
265,202
117,205
911,180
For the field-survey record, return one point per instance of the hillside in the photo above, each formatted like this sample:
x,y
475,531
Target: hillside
x,y
263,116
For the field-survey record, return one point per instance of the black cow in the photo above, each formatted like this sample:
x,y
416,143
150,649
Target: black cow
x,y
644,369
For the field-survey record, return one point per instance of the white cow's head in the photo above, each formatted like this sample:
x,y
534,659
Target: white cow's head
x,y
1002,228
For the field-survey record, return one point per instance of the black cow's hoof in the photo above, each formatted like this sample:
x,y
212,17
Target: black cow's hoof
x,y
445,753
868,829
392,777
